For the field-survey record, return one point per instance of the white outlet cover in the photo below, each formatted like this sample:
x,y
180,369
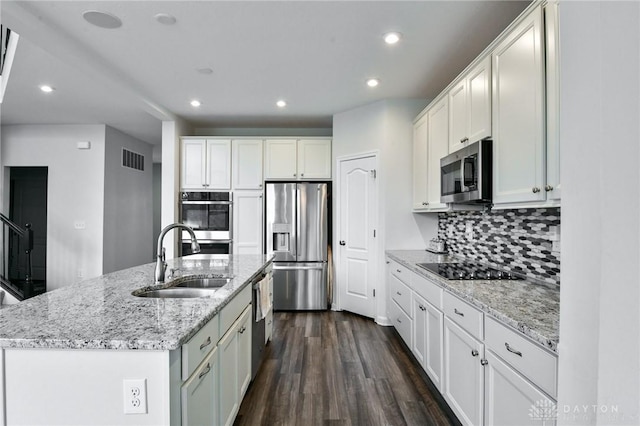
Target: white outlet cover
x,y
79,224
135,396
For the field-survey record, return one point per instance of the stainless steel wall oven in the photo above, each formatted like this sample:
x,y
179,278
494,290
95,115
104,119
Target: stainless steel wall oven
x,y
210,215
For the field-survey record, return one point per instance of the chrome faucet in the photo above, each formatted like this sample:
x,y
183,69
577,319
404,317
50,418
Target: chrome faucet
x,y
161,264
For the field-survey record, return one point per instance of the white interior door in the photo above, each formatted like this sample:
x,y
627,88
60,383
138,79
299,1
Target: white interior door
x,y
356,241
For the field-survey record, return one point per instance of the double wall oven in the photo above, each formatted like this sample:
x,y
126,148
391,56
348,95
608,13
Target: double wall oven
x,y
210,215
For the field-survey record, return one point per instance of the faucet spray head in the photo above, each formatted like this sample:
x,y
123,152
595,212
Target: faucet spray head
x,y
195,247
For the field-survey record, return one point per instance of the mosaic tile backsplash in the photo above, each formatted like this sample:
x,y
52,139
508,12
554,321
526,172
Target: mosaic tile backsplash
x,y
515,240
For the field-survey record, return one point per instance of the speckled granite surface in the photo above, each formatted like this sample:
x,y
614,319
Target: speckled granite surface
x,y
532,309
101,313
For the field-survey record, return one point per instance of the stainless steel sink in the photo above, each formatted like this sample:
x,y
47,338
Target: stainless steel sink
x,y
203,283
177,292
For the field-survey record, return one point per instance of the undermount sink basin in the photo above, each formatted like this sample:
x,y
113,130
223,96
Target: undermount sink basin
x,y
203,283
177,292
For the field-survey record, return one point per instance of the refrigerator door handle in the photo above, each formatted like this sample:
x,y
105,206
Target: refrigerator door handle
x,y
300,238
298,268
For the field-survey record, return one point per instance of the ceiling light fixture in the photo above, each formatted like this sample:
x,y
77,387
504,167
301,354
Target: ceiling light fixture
x,y
46,88
165,18
392,38
102,19
373,82
195,103
281,104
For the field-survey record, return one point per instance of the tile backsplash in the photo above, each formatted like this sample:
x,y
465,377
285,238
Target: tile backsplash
x,y
516,240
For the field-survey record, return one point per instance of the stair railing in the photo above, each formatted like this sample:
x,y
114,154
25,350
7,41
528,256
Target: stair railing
x,y
26,234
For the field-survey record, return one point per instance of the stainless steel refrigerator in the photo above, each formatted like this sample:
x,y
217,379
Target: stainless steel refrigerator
x,y
297,234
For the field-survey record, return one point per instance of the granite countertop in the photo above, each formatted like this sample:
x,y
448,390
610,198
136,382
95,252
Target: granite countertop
x,y
101,313
531,308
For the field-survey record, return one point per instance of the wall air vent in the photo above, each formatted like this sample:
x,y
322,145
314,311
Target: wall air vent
x,y
132,160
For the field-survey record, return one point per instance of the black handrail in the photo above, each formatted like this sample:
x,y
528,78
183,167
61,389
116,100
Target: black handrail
x,y
27,235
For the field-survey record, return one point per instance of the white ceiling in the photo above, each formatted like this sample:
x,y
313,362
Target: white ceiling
x,y
314,54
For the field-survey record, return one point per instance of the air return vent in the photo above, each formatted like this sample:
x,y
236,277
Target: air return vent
x,y
132,160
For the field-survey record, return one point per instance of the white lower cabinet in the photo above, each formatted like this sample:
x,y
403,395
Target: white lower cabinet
x,y
198,394
427,338
463,374
510,399
235,367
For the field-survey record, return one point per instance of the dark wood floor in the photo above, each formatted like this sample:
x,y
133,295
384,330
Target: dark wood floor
x,y
337,368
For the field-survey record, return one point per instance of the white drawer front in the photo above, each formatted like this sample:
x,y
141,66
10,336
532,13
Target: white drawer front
x,y
430,291
463,314
401,322
402,272
401,294
233,309
530,359
199,346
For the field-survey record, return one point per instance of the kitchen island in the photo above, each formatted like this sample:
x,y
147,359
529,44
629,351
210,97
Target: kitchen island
x,y
66,354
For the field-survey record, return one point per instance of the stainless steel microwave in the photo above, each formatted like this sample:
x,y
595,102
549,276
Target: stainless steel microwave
x,y
465,175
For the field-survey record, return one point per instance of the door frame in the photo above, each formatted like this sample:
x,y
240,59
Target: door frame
x,y
337,252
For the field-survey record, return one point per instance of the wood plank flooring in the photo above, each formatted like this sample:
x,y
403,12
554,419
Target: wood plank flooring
x,y
337,368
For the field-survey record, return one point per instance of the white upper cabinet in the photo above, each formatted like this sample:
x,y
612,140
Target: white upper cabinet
x,y
301,159
205,164
247,222
470,107
552,187
430,144
518,115
246,161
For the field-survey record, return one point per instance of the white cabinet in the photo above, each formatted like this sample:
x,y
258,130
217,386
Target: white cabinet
x,y
205,164
512,400
470,107
235,366
247,222
463,374
427,338
553,186
199,393
297,159
430,144
518,115
246,161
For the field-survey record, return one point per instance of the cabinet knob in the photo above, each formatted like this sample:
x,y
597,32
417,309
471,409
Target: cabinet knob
x,y
398,293
484,362
425,204
295,174
342,242
548,188
301,174
474,352
535,189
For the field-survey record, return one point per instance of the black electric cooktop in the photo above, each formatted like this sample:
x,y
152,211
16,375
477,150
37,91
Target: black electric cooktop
x,y
468,271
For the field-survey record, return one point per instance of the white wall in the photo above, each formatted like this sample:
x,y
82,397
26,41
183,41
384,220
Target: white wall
x,y
386,127
128,204
75,193
600,292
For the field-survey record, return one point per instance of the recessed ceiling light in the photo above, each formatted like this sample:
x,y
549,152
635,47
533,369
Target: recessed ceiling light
x,y
195,103
281,104
165,18
373,82
205,71
102,19
46,88
392,38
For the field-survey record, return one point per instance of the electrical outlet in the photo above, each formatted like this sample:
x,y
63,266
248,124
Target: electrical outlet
x,y
79,224
135,396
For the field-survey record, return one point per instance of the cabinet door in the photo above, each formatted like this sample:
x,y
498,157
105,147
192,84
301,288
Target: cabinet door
x,y
218,164
193,164
419,347
513,400
552,187
463,374
247,222
228,364
518,121
479,101
199,394
247,163
280,159
244,353
458,116
314,159
434,350
420,168
437,148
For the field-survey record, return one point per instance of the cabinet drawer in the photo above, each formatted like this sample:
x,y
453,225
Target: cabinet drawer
x,y
199,394
429,290
403,273
199,346
401,322
401,294
234,308
463,314
530,359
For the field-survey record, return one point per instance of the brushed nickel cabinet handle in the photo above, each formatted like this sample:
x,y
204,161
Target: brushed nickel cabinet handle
x,y
457,312
205,371
513,351
206,343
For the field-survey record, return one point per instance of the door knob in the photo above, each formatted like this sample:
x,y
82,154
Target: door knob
x,y
342,243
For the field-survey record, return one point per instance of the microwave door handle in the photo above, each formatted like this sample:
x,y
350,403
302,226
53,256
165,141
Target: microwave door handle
x,y
467,161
